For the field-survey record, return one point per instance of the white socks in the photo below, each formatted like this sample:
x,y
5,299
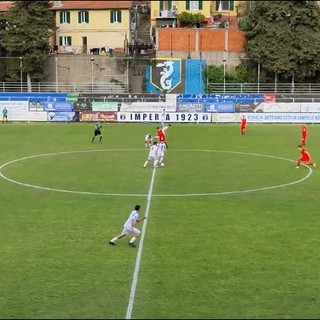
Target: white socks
x,y
132,240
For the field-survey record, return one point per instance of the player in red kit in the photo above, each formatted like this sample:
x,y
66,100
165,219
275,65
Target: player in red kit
x,y
162,134
243,125
159,133
305,157
304,134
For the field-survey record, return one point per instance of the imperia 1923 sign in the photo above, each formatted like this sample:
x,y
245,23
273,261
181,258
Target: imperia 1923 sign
x,y
196,117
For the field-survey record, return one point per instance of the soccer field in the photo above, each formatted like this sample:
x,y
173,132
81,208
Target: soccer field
x,y
232,228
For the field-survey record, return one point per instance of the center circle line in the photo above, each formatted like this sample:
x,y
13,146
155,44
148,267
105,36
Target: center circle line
x,y
309,172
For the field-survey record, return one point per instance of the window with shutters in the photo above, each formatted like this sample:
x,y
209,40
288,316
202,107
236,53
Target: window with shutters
x,y
225,5
65,41
115,16
83,17
194,5
65,17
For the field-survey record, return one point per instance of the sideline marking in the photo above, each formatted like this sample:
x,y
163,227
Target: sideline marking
x,y
139,254
154,195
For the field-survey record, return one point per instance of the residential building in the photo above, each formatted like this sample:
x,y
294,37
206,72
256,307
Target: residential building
x,y
164,12
92,26
89,26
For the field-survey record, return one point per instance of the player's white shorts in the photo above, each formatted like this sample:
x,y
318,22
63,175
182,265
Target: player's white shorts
x,y
126,231
161,154
152,158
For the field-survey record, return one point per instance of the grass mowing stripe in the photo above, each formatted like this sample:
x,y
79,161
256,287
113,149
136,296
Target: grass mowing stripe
x,y
140,248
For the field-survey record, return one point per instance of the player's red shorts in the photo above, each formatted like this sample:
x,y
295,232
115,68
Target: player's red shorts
x,y
305,158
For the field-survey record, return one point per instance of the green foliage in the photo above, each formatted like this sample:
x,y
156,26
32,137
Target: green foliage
x,y
198,18
285,37
214,74
29,25
188,19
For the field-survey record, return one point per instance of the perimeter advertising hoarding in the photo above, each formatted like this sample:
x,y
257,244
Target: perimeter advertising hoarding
x,y
220,107
190,107
57,106
283,117
183,117
17,110
95,116
148,107
37,116
285,107
267,117
104,106
61,116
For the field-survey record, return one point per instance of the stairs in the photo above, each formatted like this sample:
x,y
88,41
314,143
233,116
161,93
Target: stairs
x,y
143,29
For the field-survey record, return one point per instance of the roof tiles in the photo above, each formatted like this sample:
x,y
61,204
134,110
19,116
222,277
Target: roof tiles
x,y
78,5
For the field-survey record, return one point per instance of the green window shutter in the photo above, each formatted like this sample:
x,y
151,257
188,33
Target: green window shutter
x,y
111,16
231,5
169,5
161,5
200,5
60,16
60,40
187,5
68,16
119,16
217,5
79,16
87,16
69,41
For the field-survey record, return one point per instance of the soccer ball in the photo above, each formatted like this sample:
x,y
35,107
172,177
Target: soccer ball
x,y
162,164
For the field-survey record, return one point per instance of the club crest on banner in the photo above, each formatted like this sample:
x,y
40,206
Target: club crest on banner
x,y
166,73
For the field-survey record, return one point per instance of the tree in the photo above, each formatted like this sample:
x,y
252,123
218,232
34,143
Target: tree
x,y
284,36
29,26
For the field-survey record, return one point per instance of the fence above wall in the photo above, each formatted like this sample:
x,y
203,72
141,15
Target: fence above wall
x,y
73,87
296,88
118,88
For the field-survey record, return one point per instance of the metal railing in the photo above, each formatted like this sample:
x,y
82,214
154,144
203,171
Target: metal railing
x,y
293,88
123,87
72,87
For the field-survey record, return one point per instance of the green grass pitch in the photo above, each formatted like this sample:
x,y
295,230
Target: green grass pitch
x,y
232,228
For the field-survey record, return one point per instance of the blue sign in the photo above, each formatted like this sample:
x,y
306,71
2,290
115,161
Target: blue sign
x,y
222,98
220,107
57,106
61,116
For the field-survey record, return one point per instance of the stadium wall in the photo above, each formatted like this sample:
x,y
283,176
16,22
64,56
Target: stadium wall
x,y
148,108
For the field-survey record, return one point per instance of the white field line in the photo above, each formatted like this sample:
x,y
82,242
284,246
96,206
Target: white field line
x,y
140,248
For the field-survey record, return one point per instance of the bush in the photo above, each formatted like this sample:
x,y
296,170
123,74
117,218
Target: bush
x,y
191,19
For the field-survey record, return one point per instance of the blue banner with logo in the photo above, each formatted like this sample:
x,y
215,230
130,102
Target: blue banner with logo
x,y
57,106
61,116
220,107
165,75
222,98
